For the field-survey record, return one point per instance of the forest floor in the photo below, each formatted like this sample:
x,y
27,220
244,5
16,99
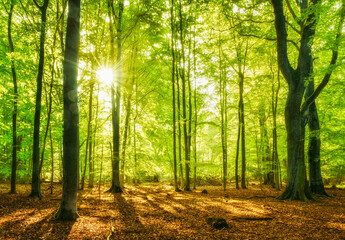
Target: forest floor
x,y
158,212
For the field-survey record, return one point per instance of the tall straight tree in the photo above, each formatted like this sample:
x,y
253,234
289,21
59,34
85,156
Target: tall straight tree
x,y
115,100
15,101
186,132
173,92
295,111
35,184
68,207
241,57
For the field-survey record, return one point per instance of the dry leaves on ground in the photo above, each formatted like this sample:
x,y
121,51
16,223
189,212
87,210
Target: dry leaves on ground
x,y
158,212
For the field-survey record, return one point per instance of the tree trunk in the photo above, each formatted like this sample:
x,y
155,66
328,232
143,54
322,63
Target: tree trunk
x,y
68,207
222,98
179,132
173,93
243,145
52,161
15,104
186,186
195,111
237,151
297,187
315,178
36,185
91,163
275,158
116,108
88,138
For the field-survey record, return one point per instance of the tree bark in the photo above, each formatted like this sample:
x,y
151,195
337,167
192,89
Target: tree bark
x,y
15,103
68,207
88,138
116,186
173,93
186,186
315,178
297,187
237,151
36,185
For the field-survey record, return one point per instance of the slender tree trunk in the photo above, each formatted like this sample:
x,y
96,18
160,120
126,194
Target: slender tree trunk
x,y
52,161
100,174
237,151
179,131
91,162
195,112
68,207
36,185
15,103
275,158
50,94
116,186
243,145
128,116
222,98
184,106
173,93
88,138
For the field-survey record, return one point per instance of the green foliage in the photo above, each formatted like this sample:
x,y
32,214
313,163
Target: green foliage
x,y
229,25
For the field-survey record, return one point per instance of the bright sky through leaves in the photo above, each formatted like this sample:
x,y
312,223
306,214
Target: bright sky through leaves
x,y
105,75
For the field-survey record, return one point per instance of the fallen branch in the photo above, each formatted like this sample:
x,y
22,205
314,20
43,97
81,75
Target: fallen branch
x,y
254,197
253,218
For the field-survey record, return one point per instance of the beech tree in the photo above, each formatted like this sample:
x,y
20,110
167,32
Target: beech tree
x,y
297,80
36,186
68,207
15,101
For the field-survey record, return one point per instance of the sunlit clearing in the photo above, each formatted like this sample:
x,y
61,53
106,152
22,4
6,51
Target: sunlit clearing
x,y
105,75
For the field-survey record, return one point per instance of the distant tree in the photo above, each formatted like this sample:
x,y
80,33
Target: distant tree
x,y
68,207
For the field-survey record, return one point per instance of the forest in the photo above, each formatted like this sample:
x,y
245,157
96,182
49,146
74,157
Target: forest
x,y
119,117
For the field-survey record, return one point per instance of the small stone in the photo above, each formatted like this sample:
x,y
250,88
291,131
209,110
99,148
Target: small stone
x,y
217,223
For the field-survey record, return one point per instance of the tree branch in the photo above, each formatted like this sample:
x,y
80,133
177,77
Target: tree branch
x,y
332,64
283,59
294,16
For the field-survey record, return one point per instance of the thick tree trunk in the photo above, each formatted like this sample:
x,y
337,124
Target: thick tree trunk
x,y
315,178
68,207
297,187
15,104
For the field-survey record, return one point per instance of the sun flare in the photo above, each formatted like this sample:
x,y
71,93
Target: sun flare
x,y
105,75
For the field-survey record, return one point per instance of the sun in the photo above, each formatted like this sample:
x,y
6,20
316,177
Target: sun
x,y
105,75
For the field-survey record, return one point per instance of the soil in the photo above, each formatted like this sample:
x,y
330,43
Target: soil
x,y
158,212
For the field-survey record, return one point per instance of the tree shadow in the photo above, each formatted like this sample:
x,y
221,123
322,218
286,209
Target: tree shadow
x,y
48,228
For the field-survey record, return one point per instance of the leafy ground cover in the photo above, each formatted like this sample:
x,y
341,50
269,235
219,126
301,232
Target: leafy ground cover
x,y
157,212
